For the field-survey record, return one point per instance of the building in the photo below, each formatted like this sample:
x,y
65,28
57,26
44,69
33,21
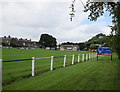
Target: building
x,y
69,47
5,40
15,42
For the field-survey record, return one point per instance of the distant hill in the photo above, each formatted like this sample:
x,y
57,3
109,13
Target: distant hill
x,y
93,43
98,40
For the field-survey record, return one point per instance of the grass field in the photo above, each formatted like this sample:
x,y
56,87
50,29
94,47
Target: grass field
x,y
89,75
15,70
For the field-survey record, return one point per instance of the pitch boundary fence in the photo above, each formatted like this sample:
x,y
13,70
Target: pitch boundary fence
x,y
85,57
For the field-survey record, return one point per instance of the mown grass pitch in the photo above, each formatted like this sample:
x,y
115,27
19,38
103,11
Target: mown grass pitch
x,y
89,75
20,69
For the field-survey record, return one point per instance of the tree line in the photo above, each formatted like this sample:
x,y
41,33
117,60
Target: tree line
x,y
47,40
97,9
93,43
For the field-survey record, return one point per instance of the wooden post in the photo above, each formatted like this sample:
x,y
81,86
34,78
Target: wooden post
x,y
0,75
52,60
64,61
33,66
82,57
73,59
78,58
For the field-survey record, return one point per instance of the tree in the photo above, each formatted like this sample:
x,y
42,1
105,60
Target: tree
x,y
93,46
97,9
47,41
81,46
9,36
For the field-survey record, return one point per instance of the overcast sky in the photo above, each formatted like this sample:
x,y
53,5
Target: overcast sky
x,y
31,18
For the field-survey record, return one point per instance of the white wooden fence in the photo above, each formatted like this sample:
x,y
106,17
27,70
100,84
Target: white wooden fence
x,y
0,75
88,57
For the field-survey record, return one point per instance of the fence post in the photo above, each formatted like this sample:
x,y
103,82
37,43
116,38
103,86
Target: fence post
x,y
33,66
95,55
82,57
92,55
52,59
78,58
64,61
73,59
86,57
89,56
0,75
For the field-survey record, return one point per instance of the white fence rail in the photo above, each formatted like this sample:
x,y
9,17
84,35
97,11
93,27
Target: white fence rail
x,y
88,57
0,75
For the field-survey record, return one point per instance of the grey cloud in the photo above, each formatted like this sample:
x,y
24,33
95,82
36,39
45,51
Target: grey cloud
x,y
33,16
30,20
